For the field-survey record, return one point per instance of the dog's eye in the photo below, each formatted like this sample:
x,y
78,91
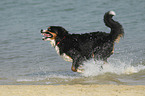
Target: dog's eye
x,y
49,29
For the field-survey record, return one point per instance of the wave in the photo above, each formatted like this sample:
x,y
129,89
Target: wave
x,y
48,77
92,70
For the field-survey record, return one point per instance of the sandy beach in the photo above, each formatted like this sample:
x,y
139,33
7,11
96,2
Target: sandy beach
x,y
72,90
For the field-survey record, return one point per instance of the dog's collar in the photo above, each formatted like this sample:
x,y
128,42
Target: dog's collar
x,y
60,40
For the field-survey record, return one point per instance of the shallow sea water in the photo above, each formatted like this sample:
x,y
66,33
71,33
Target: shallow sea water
x,y
26,59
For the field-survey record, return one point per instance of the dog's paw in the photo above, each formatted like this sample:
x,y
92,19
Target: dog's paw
x,y
80,69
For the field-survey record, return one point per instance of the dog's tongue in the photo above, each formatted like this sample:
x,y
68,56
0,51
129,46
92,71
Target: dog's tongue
x,y
47,35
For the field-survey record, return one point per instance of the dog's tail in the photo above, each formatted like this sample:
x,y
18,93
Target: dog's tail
x,y
117,30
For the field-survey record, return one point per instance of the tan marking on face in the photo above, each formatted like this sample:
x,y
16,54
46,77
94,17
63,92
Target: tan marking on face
x,y
54,34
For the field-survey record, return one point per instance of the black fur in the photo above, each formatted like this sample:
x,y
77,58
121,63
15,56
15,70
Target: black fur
x,y
82,47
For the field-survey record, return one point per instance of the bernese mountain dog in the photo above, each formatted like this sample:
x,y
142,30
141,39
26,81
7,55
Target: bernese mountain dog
x,y
77,48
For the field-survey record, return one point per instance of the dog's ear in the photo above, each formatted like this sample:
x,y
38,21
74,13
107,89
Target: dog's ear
x,y
61,31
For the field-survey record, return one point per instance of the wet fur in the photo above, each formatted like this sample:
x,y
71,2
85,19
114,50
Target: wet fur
x,y
77,48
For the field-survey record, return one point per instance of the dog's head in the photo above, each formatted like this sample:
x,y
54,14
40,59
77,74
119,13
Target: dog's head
x,y
53,32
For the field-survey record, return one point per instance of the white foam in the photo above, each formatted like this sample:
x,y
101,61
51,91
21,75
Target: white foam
x,y
93,68
29,79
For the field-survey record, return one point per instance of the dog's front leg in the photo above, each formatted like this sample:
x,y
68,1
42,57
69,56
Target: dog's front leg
x,y
77,64
77,59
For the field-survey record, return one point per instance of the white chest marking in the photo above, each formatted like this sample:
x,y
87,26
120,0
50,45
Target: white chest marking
x,y
64,56
67,58
57,50
52,42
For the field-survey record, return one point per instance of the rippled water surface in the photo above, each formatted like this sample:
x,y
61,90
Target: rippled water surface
x,y
26,59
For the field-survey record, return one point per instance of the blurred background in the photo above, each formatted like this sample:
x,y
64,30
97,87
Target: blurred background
x,y
26,59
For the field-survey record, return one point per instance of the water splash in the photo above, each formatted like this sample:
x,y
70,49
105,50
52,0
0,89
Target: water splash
x,y
93,68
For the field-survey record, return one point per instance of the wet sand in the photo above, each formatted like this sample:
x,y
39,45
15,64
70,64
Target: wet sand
x,y
72,90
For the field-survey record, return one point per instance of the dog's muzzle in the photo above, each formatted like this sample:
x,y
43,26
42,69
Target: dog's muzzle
x,y
41,31
45,34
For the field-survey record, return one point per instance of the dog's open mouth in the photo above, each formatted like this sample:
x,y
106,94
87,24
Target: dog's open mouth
x,y
46,35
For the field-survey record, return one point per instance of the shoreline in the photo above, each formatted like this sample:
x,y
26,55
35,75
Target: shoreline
x,y
72,90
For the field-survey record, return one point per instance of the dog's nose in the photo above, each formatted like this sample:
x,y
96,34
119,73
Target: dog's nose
x,y
41,31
